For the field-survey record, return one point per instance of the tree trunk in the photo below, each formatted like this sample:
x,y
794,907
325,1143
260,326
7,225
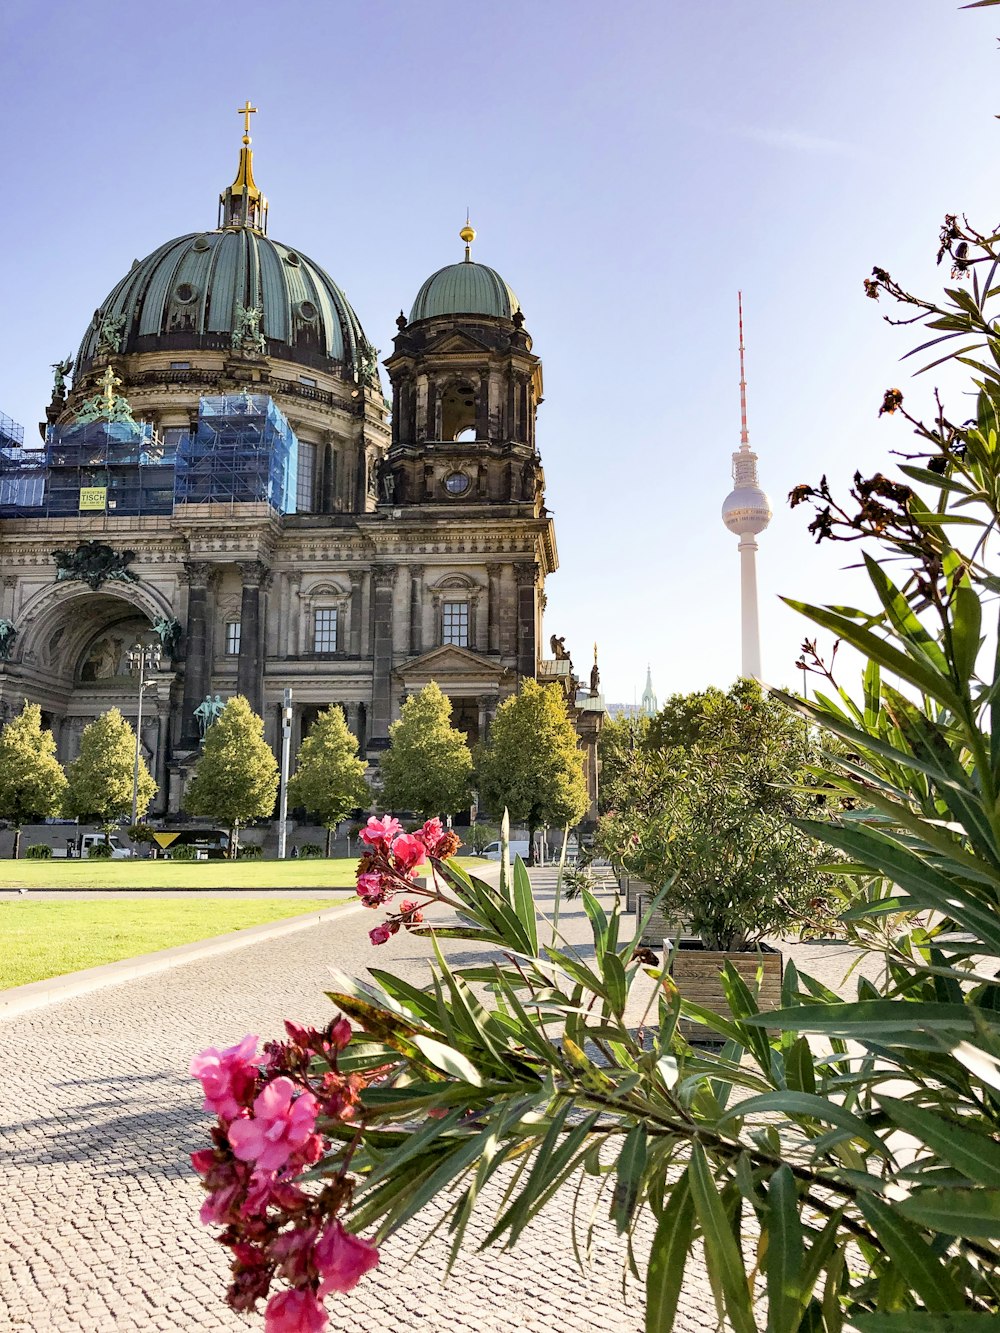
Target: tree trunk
x,y
17,841
531,843
329,841
234,840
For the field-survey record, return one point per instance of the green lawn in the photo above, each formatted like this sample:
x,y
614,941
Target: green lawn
x,y
297,874
47,939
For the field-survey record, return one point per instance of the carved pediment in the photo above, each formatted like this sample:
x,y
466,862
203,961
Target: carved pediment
x,y
457,341
450,663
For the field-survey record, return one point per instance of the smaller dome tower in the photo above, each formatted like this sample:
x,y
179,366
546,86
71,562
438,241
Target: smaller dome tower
x,y
466,387
746,512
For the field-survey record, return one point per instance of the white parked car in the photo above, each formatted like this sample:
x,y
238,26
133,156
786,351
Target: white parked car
x,y
493,851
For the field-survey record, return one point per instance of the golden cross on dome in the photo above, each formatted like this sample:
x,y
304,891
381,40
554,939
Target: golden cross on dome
x,y
109,382
246,112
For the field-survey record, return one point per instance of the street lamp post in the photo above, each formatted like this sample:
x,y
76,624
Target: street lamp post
x,y
286,746
142,657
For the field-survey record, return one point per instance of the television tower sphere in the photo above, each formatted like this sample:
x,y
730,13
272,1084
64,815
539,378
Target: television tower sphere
x,y
746,510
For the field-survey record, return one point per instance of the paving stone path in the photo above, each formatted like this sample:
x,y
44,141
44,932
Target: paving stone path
x,y
98,1115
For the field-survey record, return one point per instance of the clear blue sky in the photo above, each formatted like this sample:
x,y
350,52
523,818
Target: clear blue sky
x,y
628,168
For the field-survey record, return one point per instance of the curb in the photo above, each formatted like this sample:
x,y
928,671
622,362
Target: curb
x,y
37,994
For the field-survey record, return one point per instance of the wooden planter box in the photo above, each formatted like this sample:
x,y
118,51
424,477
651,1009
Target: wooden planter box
x,y
660,926
697,974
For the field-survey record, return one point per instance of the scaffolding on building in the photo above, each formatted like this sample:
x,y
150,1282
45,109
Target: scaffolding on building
x,y
243,451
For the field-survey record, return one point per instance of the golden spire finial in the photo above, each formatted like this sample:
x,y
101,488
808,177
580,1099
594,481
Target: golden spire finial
x,y
246,112
468,235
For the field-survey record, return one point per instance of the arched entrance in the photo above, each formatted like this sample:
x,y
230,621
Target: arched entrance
x,y
71,658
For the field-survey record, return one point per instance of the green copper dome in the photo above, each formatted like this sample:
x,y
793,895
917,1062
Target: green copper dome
x,y
189,294
466,288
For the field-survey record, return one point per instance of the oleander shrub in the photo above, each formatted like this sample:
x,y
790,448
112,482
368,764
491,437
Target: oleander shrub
x,y
38,851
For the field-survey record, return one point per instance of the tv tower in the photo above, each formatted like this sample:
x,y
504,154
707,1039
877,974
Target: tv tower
x,y
747,511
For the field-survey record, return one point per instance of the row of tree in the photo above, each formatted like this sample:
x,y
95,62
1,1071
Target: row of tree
x,y
531,766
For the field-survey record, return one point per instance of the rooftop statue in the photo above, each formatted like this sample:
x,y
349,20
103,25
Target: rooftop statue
x,y
247,336
109,336
94,563
106,405
559,649
61,369
8,634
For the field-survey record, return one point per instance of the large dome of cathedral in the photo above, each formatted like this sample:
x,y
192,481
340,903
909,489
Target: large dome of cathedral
x,y
187,294
466,288
193,293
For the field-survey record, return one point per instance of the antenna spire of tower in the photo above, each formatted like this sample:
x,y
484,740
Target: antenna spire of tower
x,y
744,432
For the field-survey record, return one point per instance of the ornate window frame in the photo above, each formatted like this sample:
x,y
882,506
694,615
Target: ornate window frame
x,y
456,587
324,595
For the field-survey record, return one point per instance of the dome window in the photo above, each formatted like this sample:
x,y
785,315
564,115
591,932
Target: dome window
x,y
200,243
456,483
186,293
293,259
307,311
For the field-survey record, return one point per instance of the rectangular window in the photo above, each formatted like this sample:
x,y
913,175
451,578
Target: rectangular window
x,y
305,484
455,624
232,638
180,365
173,436
325,630
308,380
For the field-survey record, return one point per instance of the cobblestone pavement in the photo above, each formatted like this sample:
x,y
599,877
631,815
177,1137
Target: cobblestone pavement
x,y
97,1116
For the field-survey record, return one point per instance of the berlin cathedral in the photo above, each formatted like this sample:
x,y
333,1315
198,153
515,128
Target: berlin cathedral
x,y
223,476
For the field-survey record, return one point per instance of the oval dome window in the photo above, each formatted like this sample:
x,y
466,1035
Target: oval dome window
x,y
186,293
200,243
292,258
456,483
307,311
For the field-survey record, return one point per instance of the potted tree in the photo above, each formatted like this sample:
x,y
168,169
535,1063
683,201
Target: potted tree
x,y
704,821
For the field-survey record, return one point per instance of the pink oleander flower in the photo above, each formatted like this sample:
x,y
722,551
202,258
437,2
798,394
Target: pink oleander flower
x,y
430,833
373,889
292,1251
227,1077
277,1128
380,934
342,1259
408,851
380,832
294,1312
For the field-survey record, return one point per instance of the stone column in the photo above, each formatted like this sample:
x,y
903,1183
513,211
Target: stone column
x,y
195,649
293,614
493,608
527,649
383,581
249,670
416,609
162,741
357,589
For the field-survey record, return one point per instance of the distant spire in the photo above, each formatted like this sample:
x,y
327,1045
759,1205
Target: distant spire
x,y
243,204
468,235
649,706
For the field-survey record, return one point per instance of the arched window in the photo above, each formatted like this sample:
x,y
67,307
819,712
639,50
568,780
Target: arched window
x,y
458,411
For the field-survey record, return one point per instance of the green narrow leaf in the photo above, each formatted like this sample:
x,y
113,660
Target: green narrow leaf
x,y
919,1321
448,1060
785,1298
916,1263
598,921
976,1155
722,1254
799,1104
800,1070
667,1258
956,1212
524,906
966,629
616,982
631,1166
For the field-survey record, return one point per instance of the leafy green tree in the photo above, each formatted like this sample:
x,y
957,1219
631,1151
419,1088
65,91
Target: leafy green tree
x,y
428,766
704,805
32,782
100,778
532,764
236,778
329,778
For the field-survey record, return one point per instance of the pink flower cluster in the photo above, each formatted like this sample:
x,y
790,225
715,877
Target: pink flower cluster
x,y
266,1136
391,862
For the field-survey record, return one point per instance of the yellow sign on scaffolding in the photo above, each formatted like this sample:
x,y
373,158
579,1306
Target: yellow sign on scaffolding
x,y
165,839
93,497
